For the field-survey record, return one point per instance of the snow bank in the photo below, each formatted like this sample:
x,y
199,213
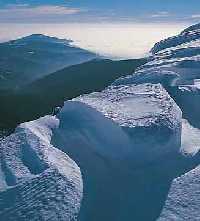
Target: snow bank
x,y
111,135
190,139
37,181
183,202
148,118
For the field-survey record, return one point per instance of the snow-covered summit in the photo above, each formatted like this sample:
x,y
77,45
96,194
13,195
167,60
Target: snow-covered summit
x,y
190,34
174,61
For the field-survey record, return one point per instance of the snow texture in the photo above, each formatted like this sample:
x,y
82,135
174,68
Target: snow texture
x,y
112,133
37,181
140,111
174,61
183,202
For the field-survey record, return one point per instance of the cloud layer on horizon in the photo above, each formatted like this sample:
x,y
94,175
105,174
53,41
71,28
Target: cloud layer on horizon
x,y
41,11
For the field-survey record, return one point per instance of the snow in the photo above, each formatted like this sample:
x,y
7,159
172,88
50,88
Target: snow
x,y
190,142
135,109
112,133
108,134
36,179
129,141
177,56
183,202
175,63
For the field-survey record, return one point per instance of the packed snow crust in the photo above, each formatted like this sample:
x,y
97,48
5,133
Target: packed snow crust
x,y
37,181
175,63
129,141
140,111
183,202
108,134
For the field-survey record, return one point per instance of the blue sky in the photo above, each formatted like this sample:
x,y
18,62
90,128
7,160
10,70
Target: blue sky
x,y
99,10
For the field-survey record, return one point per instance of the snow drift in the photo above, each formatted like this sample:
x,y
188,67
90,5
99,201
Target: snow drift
x,y
129,141
183,202
114,136
37,181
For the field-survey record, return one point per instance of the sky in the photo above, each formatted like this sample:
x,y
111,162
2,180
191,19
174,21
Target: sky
x,y
113,28
61,11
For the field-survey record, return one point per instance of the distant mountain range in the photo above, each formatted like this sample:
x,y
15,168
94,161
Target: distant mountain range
x,y
24,60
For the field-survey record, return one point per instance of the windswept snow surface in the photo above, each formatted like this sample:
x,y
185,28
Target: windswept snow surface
x,y
37,181
174,61
129,141
114,136
183,202
142,112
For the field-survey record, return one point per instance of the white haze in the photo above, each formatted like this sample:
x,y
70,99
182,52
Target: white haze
x,y
117,40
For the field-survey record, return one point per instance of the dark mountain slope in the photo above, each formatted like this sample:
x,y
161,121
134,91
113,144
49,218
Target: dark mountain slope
x,y
40,97
29,58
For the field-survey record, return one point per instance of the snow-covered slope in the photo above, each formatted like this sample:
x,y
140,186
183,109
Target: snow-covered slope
x,y
183,202
129,141
175,63
111,135
24,60
144,112
37,181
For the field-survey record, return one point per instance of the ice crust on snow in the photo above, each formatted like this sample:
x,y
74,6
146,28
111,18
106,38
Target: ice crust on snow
x,y
37,181
190,139
110,135
118,138
183,202
110,132
140,110
175,63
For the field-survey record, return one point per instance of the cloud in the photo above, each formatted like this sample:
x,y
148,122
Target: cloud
x,y
25,11
195,16
160,15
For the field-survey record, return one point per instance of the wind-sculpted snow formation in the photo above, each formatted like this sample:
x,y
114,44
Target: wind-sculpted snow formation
x,y
183,201
142,112
114,136
111,135
37,181
175,63
129,141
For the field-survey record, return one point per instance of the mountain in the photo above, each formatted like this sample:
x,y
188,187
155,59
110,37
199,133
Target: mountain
x,y
27,59
135,143
41,96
